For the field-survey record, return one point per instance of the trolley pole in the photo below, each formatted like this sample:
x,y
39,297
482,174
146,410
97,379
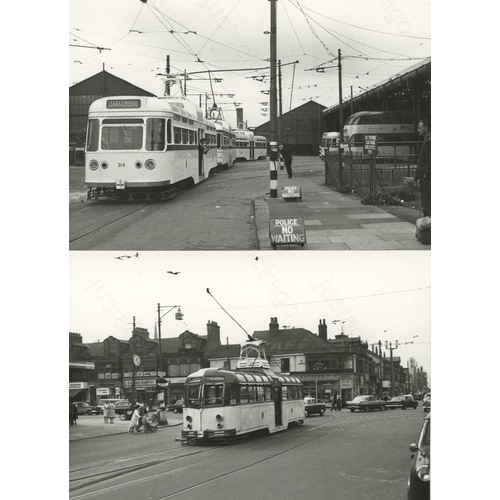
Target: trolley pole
x,y
168,73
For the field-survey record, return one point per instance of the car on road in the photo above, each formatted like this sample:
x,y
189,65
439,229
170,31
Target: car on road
x,y
176,407
83,408
427,402
419,480
365,403
312,408
402,402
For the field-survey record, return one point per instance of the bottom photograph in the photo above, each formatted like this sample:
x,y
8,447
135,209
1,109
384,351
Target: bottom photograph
x,y
228,374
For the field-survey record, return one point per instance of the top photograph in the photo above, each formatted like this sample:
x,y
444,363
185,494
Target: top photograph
x,y
287,125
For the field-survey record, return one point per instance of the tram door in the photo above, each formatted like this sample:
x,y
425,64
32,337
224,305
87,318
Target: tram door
x,y
277,396
252,150
200,153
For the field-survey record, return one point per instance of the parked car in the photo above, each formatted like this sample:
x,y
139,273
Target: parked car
x,y
122,406
365,403
83,408
402,402
427,402
419,480
177,406
312,408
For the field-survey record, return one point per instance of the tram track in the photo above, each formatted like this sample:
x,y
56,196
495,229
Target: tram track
x,y
103,477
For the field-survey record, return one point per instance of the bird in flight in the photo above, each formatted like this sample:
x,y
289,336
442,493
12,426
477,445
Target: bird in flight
x,y
173,272
121,257
137,254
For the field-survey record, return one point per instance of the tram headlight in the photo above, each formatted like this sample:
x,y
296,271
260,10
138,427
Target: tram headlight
x,y
93,165
138,164
218,417
104,164
150,164
189,418
189,426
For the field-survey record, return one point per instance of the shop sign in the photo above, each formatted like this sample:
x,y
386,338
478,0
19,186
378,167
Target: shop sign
x,y
386,384
141,383
346,384
103,391
78,385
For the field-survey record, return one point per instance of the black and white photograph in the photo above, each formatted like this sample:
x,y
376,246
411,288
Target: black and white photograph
x,y
239,249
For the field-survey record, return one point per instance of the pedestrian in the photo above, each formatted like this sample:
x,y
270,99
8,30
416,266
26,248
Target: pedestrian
x,y
134,421
111,412
339,402
287,158
71,413
105,411
333,402
423,172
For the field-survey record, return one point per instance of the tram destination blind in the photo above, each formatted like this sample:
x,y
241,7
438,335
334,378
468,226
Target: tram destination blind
x,y
287,231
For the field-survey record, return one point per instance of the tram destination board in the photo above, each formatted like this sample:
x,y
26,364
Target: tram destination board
x,y
287,231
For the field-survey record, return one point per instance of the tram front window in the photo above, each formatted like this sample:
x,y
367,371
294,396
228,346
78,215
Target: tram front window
x,y
122,137
213,394
193,396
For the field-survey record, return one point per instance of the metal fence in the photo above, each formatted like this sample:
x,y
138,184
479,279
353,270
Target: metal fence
x,y
349,170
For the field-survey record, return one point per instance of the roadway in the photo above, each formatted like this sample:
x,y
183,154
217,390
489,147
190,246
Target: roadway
x,y
343,455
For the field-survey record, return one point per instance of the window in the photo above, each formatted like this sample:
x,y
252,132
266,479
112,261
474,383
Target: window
x,y
260,393
177,135
173,370
193,395
285,365
213,394
169,131
231,397
155,134
267,393
123,137
93,135
244,393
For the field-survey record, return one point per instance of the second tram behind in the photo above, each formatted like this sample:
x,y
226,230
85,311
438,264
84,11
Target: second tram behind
x,y
222,405
142,148
249,146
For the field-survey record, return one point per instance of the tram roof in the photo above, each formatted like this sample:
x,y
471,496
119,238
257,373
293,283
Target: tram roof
x,y
254,376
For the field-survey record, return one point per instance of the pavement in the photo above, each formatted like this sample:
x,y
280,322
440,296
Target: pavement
x,y
93,426
334,221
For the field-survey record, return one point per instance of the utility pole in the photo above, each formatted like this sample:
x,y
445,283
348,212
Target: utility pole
x,y
167,68
352,103
392,367
159,366
280,102
341,105
272,93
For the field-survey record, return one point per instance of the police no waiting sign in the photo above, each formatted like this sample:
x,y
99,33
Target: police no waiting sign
x,y
287,231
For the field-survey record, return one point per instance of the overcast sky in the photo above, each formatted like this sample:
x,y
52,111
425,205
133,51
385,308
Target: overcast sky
x,y
379,38
380,295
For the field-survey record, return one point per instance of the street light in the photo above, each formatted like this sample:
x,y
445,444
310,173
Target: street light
x,y
178,316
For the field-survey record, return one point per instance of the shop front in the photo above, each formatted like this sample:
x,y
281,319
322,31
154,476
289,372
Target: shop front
x,y
175,390
79,391
323,386
144,389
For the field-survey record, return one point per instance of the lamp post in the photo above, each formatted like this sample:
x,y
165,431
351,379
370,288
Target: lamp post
x,y
178,316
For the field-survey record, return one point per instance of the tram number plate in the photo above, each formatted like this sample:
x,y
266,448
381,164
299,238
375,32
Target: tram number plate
x,y
120,184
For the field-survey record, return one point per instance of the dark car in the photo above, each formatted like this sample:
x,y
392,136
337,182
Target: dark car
x,y
176,407
427,402
419,481
402,402
83,408
312,408
366,403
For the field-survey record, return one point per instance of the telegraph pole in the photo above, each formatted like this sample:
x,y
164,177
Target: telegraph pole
x,y
341,106
167,68
392,367
272,93
280,103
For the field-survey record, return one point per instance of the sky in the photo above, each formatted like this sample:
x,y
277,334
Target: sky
x,y
377,296
377,39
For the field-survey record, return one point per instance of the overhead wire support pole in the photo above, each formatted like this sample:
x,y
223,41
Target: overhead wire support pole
x,y
341,105
274,155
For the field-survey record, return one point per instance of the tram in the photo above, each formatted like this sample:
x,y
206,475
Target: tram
x,y
329,141
143,148
394,131
249,146
222,405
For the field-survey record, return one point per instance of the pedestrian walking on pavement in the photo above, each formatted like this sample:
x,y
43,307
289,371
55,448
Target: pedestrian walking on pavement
x,y
111,412
333,402
339,403
134,421
287,158
73,414
105,412
423,172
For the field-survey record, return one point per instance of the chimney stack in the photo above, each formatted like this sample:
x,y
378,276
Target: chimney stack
x,y
322,330
274,327
213,335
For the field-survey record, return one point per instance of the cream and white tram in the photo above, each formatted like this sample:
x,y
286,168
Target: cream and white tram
x,y
142,148
249,146
222,404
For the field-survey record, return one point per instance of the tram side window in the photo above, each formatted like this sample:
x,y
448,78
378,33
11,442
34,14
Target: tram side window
x,y
231,397
268,393
193,395
213,394
284,392
155,134
300,392
218,140
252,394
260,393
93,135
177,135
169,131
185,136
244,393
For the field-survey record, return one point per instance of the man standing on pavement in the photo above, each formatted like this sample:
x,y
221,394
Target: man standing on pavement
x,y
287,157
423,172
